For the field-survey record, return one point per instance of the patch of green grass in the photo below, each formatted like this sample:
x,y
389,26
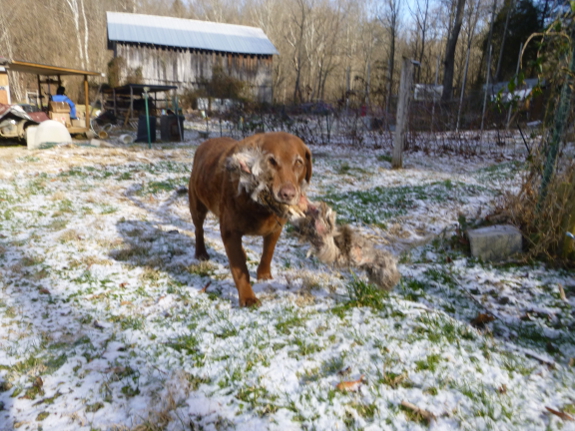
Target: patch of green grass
x,y
381,203
413,416
108,209
53,364
333,365
203,269
33,392
258,398
42,416
310,375
289,322
364,294
7,197
129,391
165,186
430,363
305,347
124,176
395,380
501,171
384,158
22,367
196,381
443,328
29,159
132,322
166,166
93,408
365,410
185,343
229,330
441,277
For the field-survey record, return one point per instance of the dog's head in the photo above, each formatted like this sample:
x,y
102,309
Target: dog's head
x,y
289,161
278,162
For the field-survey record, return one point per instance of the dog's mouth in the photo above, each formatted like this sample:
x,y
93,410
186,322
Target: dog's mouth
x,y
287,194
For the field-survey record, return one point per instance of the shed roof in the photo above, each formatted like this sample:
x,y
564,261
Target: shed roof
x,y
187,33
44,69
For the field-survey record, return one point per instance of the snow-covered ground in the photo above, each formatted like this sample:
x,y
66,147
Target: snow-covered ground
x,y
107,322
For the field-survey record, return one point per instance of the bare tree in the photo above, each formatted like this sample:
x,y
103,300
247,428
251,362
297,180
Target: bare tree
x,y
75,9
420,15
390,18
449,61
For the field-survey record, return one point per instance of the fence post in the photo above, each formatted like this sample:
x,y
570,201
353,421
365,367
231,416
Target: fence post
x,y
405,86
486,87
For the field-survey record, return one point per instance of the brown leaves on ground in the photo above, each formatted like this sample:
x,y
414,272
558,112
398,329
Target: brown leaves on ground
x,y
426,415
350,386
482,319
562,415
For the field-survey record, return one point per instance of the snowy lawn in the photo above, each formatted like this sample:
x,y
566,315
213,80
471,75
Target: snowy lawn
x,y
107,322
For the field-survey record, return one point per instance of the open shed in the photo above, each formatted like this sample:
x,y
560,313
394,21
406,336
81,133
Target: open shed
x,y
126,101
52,75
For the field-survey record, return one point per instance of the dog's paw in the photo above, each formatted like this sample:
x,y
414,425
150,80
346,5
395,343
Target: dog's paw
x,y
202,256
251,301
264,275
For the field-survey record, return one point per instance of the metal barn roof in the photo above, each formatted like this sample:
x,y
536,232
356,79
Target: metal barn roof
x,y
187,33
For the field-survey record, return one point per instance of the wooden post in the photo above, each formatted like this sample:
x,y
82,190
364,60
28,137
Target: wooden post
x,y
4,86
40,97
567,245
405,86
87,102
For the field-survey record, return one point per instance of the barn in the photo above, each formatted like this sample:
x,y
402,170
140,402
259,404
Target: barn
x,y
185,52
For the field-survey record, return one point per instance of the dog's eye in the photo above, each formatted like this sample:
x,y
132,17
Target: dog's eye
x,y
273,161
299,162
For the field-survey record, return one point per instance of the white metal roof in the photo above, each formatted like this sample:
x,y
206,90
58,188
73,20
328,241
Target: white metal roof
x,y
187,33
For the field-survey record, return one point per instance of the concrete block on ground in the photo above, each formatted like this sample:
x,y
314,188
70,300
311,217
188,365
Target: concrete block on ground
x,y
495,243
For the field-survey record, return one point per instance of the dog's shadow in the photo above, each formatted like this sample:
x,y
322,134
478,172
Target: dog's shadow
x,y
165,242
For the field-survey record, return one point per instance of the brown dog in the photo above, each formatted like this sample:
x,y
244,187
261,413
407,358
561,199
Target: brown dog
x,y
215,186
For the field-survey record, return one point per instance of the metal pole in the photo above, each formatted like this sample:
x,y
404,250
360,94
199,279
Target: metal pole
x,y
516,73
178,118
486,87
462,89
435,86
40,93
147,117
87,115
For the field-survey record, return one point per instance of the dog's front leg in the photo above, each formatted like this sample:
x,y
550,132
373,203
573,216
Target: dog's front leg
x,y
270,241
233,243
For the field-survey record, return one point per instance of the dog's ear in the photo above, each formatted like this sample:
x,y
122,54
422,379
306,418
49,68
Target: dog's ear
x,y
307,164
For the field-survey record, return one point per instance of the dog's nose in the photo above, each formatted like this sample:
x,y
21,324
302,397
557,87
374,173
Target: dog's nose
x,y
287,193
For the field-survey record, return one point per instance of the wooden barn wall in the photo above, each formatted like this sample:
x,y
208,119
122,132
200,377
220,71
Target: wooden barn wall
x,y
185,67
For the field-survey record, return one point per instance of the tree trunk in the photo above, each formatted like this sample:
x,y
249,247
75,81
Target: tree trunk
x,y
449,62
498,70
405,86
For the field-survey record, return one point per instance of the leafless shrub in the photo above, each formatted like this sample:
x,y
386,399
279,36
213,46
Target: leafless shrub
x,y
544,222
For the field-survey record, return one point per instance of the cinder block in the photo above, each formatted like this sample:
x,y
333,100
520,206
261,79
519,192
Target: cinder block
x,y
495,242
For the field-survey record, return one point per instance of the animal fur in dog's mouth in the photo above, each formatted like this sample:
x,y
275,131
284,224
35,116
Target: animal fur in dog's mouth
x,y
255,177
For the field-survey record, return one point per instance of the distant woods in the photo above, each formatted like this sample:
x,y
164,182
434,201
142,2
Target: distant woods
x,y
332,50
